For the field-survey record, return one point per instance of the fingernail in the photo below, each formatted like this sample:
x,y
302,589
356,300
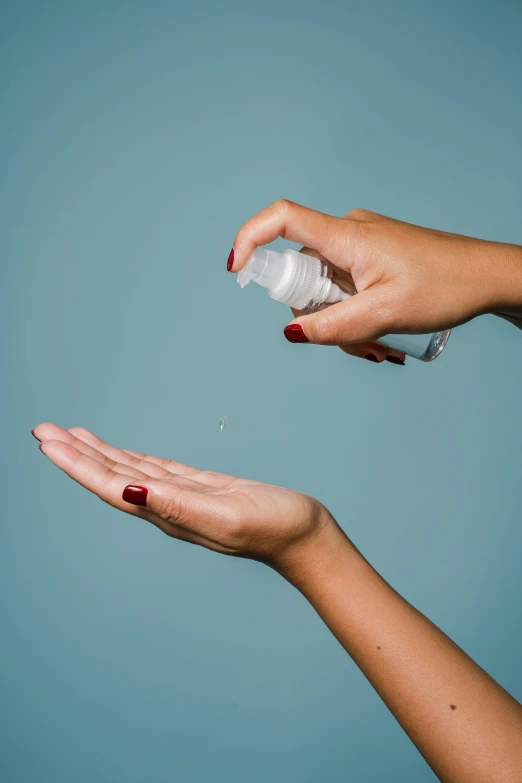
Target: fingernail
x,y
371,357
395,360
294,333
34,436
230,262
135,495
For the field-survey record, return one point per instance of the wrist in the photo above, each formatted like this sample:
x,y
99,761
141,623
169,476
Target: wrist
x,y
506,274
316,558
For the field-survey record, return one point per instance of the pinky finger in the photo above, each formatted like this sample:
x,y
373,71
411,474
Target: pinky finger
x,y
374,352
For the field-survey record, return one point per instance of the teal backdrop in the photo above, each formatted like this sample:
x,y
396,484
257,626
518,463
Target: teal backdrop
x,y
136,137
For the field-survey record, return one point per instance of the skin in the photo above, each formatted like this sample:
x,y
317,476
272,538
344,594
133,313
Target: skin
x,y
409,279
467,727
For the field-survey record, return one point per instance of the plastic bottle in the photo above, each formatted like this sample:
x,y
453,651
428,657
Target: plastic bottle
x,y
304,283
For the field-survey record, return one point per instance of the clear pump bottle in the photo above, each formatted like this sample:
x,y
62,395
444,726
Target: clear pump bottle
x,y
304,283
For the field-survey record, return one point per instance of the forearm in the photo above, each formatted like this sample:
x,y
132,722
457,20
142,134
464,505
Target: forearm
x,y
466,726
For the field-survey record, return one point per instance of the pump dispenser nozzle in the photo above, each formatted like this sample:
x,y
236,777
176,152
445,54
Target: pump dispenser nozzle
x,y
293,278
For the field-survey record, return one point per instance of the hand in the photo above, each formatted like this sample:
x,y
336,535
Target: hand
x,y
409,279
220,512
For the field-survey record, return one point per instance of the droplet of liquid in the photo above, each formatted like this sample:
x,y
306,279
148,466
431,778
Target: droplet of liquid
x,y
223,423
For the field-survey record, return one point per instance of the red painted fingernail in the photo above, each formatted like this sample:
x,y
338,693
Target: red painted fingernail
x,y
395,360
230,262
371,357
294,333
135,495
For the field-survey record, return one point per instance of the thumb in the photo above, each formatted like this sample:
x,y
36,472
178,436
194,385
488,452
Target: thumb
x,y
366,316
178,503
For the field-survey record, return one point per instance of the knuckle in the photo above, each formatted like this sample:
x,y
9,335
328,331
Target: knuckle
x,y
361,214
322,331
357,230
170,508
105,482
283,206
78,431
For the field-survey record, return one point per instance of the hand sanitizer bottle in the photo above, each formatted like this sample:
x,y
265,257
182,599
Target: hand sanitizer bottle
x,y
304,283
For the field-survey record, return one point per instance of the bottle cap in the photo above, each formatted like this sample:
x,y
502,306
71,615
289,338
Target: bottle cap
x,y
296,279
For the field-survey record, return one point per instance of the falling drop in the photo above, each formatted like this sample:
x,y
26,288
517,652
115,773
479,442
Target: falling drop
x,y
223,423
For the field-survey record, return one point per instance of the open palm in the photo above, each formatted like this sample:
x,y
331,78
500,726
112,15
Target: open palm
x,y
229,515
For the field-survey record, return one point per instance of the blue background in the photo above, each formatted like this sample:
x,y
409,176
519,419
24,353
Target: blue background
x,y
136,138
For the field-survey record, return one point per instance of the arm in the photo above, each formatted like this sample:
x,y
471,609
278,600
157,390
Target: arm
x,y
409,279
466,726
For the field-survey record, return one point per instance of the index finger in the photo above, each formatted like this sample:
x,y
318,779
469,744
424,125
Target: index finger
x,y
294,222
99,479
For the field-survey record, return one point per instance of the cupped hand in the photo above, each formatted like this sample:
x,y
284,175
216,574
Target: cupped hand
x,y
226,514
409,279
